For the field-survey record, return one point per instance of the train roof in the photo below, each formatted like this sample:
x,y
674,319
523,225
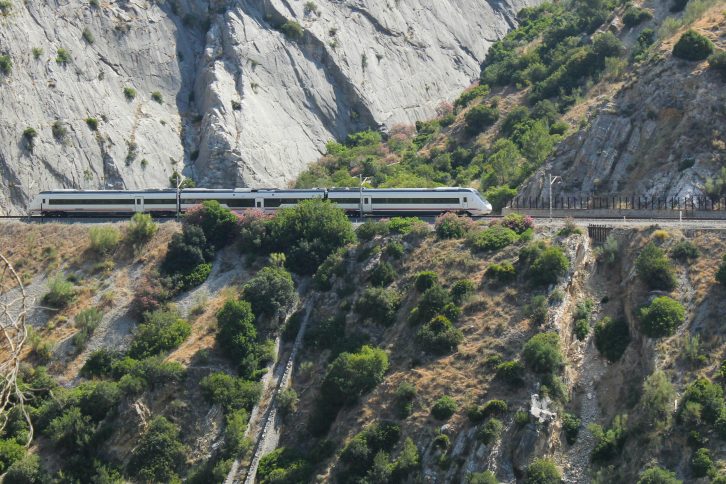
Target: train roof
x,y
403,190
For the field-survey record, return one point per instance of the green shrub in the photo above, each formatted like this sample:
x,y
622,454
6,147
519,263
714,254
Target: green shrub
x,y
157,97
518,222
86,322
499,196
480,413
571,426
378,305
331,267
6,65
141,229
6,6
10,452
283,465
581,329
451,226
721,273
612,338
104,240
160,332
403,225
217,222
548,266
654,268
480,117
433,301
609,442
542,353
292,30
404,398
486,477
511,372
370,229
394,249
662,317
537,309
363,452
187,251
693,46
543,471
658,475
502,273
88,35
61,292
26,471
701,463
29,135
470,94
62,56
444,408
232,393
309,232
439,336
635,15
351,375
707,395
490,431
59,131
383,274
92,124
287,401
426,280
159,455
717,62
493,238
129,93
237,334
271,292
462,290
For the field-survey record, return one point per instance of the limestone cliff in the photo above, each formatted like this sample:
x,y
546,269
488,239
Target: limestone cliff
x,y
225,92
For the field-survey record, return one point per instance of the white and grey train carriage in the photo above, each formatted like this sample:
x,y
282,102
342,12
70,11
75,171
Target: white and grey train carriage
x,y
166,202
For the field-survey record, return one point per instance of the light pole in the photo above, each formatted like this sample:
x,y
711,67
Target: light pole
x,y
179,181
552,181
362,181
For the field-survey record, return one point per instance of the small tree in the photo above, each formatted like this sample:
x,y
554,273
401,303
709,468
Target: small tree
x,y
237,334
543,471
480,117
217,222
379,305
701,463
612,338
658,475
542,353
662,317
159,455
548,266
271,292
654,268
439,336
693,46
383,274
351,375
162,331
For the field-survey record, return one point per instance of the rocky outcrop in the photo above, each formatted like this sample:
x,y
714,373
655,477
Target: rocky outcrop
x,y
241,103
661,134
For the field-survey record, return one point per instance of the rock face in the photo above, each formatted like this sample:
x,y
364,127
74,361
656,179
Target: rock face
x,y
663,133
246,92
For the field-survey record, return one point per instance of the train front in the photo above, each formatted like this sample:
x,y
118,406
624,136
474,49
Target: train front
x,y
479,205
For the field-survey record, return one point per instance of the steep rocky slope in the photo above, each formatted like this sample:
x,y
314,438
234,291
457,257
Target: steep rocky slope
x,y
240,103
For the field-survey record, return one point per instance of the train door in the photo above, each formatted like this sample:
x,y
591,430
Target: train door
x,y
259,203
367,205
138,204
464,202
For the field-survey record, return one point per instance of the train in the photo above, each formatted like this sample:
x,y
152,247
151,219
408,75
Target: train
x,y
172,202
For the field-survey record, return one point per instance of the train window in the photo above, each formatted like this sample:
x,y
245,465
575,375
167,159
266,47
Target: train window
x,y
92,201
159,201
367,201
465,200
417,201
259,203
355,201
276,202
239,202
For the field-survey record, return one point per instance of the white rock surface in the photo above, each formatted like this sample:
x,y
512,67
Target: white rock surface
x,y
360,63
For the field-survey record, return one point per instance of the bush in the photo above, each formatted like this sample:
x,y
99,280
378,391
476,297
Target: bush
x,y
654,268
657,400
499,197
717,62
493,238
608,443
61,292
403,225
141,229
292,30
426,280
490,431
451,226
237,335
283,465
370,229
309,232
26,471
404,397
492,407
187,251
433,301
378,305
537,310
86,322
511,372
351,375
439,336
359,456
160,332
129,93
658,475
571,425
701,463
542,353
581,329
462,290
548,266
331,267
92,124
157,97
707,395
104,239
444,408
232,393
635,15
543,471
159,455
480,117
394,249
518,223
383,274
217,222
662,317
486,477
271,292
502,273
693,46
612,338
62,56
10,452
721,273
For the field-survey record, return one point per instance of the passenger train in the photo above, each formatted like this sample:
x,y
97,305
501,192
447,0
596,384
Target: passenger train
x,y
169,202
